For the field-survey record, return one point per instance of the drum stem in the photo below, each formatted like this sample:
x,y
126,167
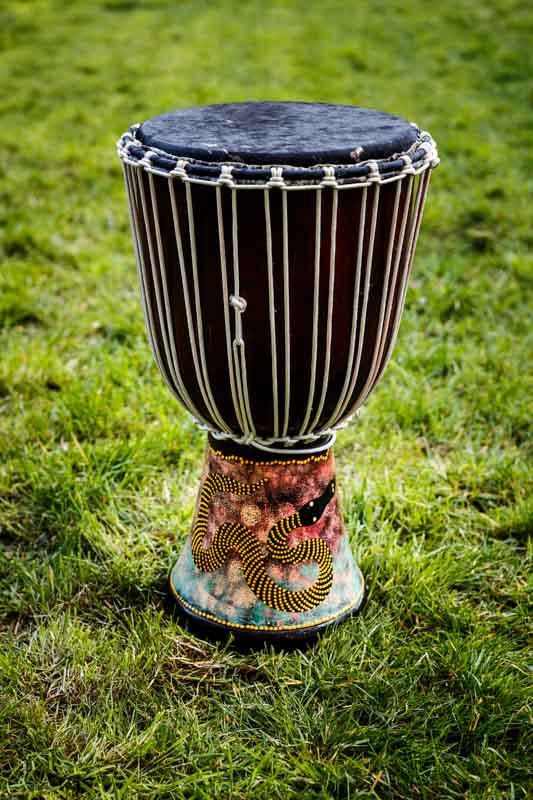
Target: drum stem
x,y
268,554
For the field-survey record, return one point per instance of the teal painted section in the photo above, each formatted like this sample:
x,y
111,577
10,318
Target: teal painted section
x,y
224,594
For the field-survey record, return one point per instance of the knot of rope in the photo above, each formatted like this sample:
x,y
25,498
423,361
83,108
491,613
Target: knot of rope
x,y
276,177
373,172
238,303
179,169
147,159
225,177
329,177
408,162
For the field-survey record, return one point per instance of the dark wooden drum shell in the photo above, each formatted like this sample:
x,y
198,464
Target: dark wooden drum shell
x,y
333,311
274,242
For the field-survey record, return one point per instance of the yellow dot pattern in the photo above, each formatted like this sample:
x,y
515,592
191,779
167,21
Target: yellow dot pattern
x,y
316,459
239,539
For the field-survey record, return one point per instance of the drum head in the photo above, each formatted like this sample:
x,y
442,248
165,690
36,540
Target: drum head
x,y
293,134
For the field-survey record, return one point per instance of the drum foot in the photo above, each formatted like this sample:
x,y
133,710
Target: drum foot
x,y
249,639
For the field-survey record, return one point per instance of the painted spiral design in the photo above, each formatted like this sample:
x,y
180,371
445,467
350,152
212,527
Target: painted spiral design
x,y
239,539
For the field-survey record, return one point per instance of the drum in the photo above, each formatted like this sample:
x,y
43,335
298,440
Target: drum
x,y
274,243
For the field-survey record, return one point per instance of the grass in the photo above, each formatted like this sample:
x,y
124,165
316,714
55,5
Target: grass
x,y
102,693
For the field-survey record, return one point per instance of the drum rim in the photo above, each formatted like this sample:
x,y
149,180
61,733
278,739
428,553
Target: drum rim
x,y
420,156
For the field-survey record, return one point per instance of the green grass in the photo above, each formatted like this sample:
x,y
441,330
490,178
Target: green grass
x,y
102,694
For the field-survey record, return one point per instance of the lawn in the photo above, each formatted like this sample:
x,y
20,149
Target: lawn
x,y
102,693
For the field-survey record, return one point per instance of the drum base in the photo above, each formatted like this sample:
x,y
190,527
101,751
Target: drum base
x,y
250,639
267,559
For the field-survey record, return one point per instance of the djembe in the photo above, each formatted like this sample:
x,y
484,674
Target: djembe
x,y
274,243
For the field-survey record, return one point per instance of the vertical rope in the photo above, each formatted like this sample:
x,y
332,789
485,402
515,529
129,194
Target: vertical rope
x,y
199,323
186,297
226,306
384,296
421,195
366,290
133,203
331,288
395,282
136,243
316,290
138,221
420,202
355,309
163,363
415,220
286,310
176,374
239,349
272,312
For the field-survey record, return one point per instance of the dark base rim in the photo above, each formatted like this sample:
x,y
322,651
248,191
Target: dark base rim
x,y
249,639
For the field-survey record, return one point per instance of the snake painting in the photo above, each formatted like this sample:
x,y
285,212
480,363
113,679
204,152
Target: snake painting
x,y
237,538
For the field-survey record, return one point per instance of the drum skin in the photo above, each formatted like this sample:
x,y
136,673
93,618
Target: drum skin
x,y
253,270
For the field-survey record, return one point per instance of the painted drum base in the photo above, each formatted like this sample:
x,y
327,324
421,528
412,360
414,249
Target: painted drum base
x,y
252,639
267,556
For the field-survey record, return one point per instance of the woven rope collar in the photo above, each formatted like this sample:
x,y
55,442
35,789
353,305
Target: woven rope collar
x,y
421,155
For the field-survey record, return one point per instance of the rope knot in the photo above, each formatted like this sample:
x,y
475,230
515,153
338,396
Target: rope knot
x,y
238,303
179,169
147,159
407,160
329,178
225,177
373,171
276,177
